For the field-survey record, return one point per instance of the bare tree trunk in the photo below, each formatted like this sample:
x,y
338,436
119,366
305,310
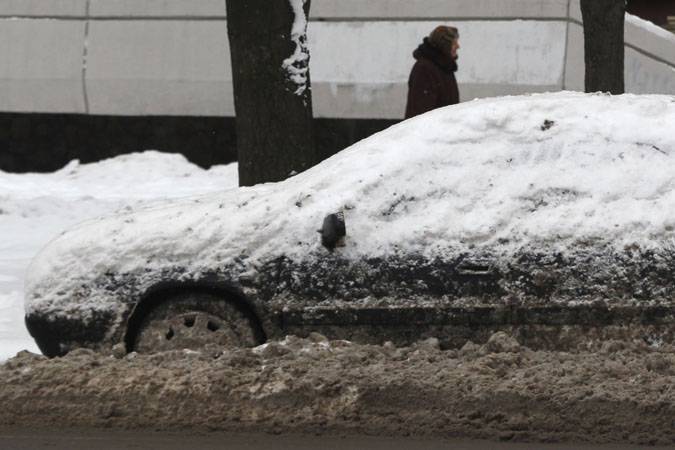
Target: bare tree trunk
x,y
603,45
272,94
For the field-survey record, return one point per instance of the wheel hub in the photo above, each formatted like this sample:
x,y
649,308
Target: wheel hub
x,y
188,330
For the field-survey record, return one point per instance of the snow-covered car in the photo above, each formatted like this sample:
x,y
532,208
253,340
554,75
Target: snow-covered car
x,y
551,216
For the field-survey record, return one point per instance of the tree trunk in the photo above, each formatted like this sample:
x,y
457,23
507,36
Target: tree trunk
x,y
272,94
603,45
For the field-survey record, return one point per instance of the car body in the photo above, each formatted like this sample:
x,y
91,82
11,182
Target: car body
x,y
547,215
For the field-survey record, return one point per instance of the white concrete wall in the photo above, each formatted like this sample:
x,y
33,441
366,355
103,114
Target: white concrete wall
x,y
157,8
171,57
145,67
361,68
574,59
43,8
41,65
438,9
644,75
650,58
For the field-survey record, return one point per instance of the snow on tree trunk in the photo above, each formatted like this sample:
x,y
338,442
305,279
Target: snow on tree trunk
x,y
604,45
297,65
272,93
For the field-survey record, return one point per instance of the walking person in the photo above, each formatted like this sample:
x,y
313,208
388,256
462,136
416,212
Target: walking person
x,y
432,81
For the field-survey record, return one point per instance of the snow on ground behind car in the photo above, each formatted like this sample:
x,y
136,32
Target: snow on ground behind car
x,y
35,208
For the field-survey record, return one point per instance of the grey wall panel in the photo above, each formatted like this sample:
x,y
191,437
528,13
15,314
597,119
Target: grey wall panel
x,y
43,8
650,39
426,9
155,68
471,91
359,100
134,97
41,65
159,67
363,75
348,9
47,95
387,100
157,8
575,11
493,52
171,57
644,75
574,59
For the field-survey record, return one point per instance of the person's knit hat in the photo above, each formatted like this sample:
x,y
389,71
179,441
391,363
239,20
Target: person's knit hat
x,y
442,37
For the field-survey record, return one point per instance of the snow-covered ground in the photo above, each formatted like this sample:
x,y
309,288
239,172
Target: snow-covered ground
x,y
35,208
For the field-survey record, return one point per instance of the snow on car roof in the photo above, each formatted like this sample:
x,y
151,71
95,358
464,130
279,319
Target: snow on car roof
x,y
497,173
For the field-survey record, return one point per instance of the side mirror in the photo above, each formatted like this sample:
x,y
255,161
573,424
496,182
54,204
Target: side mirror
x,y
333,231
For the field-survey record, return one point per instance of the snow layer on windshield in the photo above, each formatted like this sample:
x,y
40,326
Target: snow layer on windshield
x,y
554,169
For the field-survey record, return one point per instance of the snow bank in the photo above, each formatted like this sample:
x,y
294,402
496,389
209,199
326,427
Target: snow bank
x,y
34,208
146,175
505,173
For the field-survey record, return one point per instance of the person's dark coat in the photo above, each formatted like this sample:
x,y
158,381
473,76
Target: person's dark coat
x,y
432,81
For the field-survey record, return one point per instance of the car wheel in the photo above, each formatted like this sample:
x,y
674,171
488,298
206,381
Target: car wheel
x,y
193,321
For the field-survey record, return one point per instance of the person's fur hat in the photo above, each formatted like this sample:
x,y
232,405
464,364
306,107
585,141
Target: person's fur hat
x,y
442,37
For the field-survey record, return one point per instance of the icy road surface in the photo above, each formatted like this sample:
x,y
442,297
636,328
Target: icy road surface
x,y
22,439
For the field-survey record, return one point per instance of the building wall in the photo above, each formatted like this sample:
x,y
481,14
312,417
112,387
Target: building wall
x,y
171,57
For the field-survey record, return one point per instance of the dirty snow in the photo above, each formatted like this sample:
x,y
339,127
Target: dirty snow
x,y
35,208
604,392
